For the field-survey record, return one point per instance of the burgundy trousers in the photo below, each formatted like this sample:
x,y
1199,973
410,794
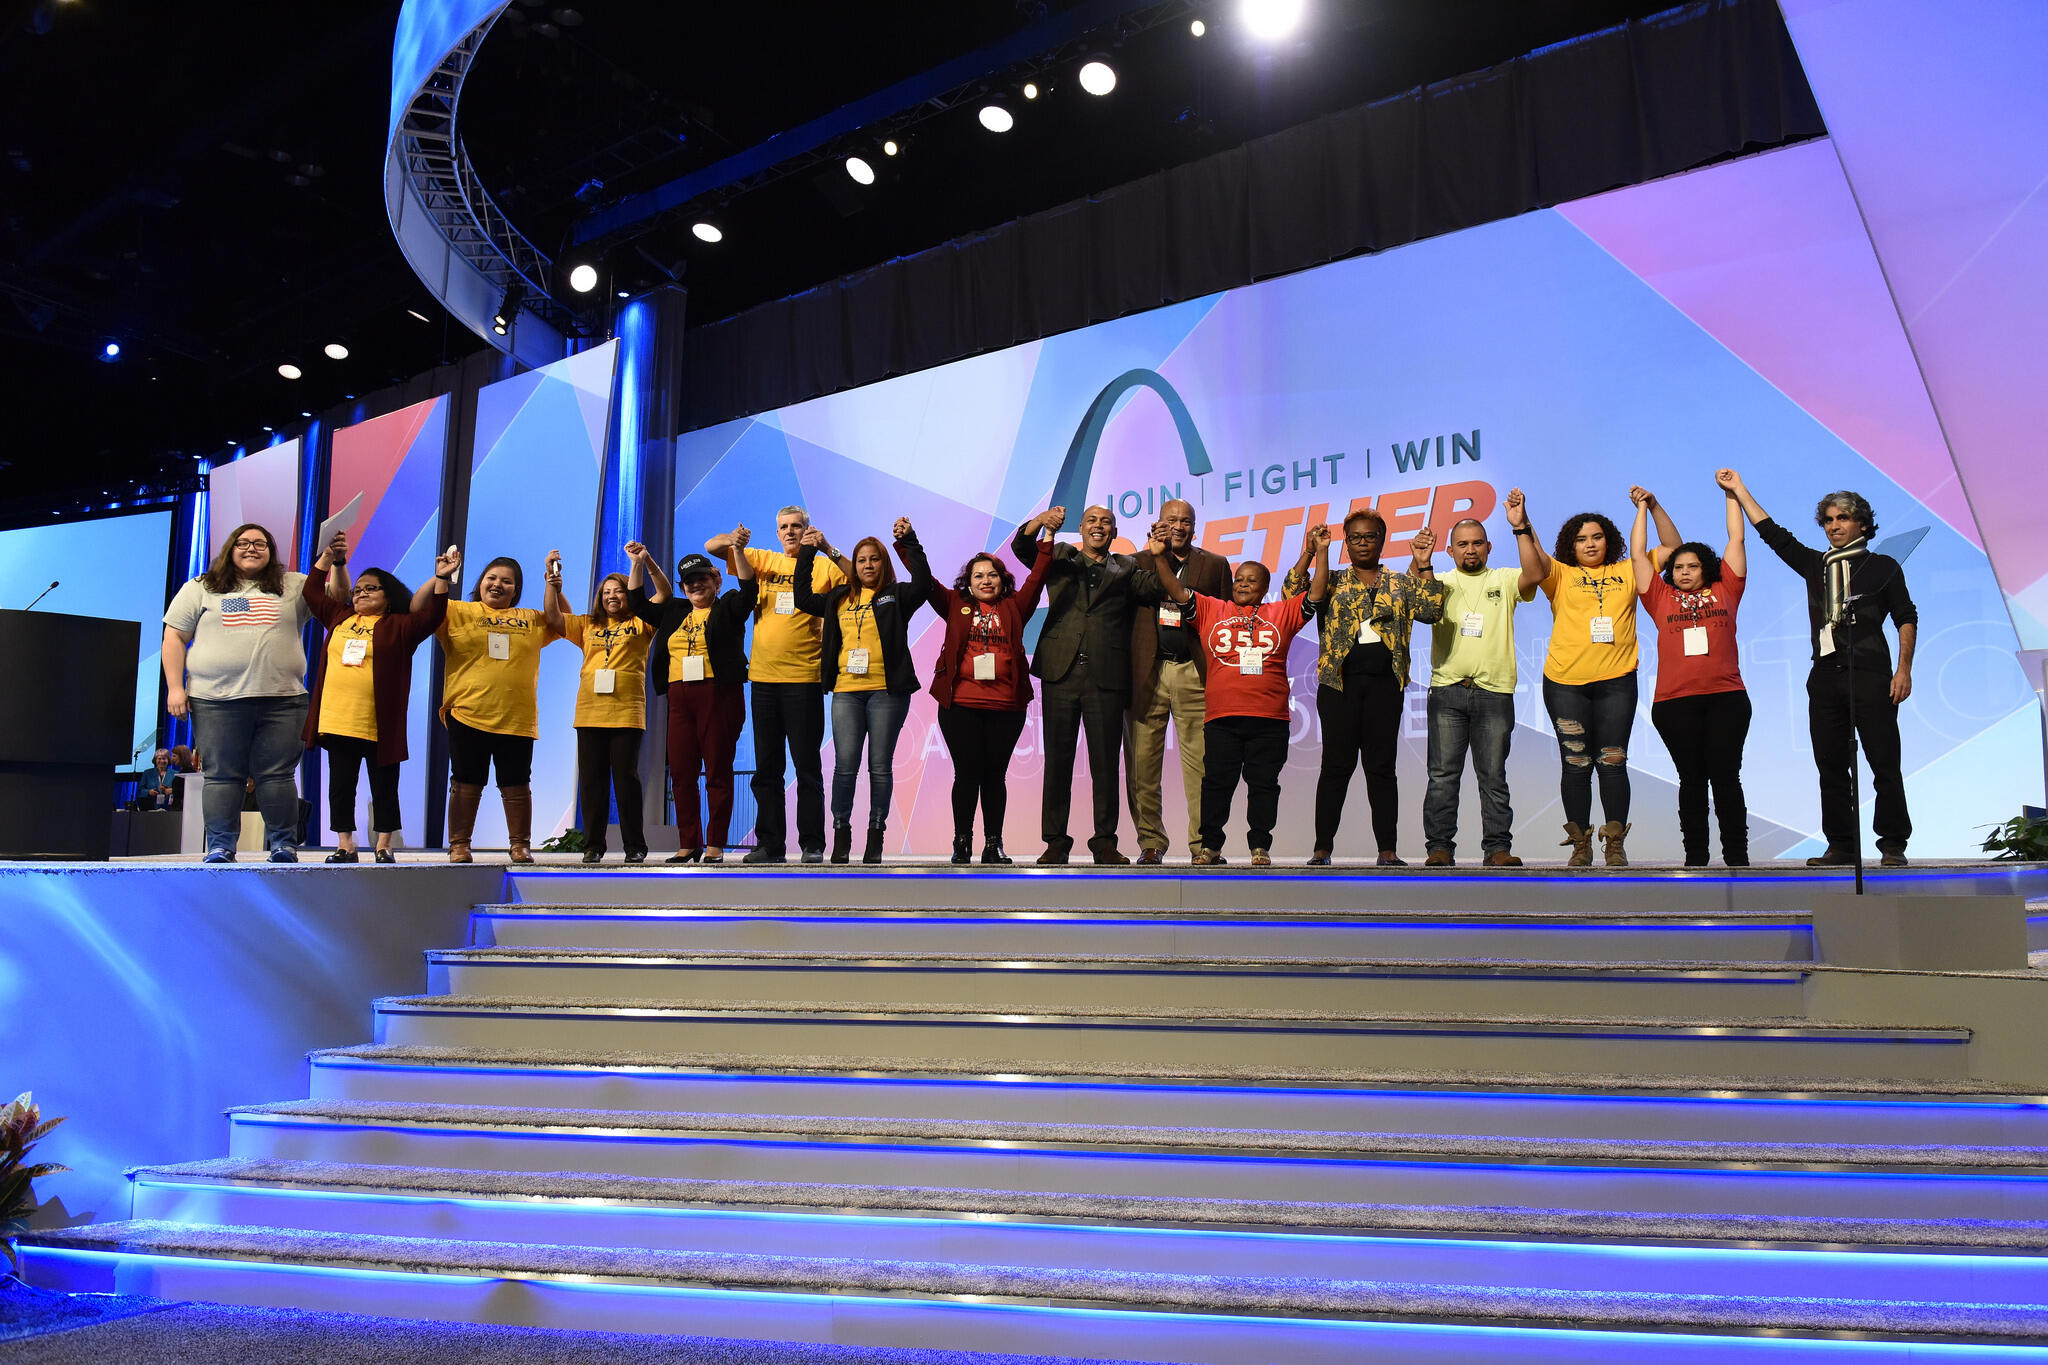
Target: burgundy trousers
x,y
704,722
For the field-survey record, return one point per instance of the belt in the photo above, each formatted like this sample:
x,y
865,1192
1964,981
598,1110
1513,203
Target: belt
x,y
1166,658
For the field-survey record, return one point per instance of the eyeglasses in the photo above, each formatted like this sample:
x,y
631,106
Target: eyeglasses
x,y
1365,535
362,588
246,544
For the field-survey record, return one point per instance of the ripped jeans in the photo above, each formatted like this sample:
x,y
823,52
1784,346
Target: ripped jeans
x,y
1592,721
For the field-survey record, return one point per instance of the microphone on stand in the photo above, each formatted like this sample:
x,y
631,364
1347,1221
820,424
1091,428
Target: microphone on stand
x,y
41,595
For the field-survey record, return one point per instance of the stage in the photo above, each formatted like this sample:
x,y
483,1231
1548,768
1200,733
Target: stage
x,y
1157,1113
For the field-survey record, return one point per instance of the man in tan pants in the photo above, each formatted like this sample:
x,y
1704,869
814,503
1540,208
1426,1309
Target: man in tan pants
x,y
1166,680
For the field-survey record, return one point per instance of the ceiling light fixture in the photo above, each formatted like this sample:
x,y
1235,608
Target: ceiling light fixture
x,y
418,314
1030,90
706,232
583,278
890,148
862,173
290,371
1098,77
1198,28
996,119
1272,19
335,351
110,351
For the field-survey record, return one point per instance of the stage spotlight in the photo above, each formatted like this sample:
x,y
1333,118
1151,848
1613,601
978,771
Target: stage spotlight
x,y
862,173
1198,28
1271,19
1030,90
625,293
583,278
996,119
890,148
110,351
1097,76
414,312
289,370
705,232
335,351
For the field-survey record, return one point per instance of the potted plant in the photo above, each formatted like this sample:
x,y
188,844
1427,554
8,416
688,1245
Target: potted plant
x,y
2024,838
21,1127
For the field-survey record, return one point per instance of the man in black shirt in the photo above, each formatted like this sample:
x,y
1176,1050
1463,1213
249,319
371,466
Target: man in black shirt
x,y
1877,589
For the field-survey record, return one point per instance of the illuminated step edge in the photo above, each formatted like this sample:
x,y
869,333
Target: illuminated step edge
x,y
81,1256
422,1200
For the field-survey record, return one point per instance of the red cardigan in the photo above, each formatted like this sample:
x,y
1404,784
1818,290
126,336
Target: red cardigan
x,y
1014,610
392,640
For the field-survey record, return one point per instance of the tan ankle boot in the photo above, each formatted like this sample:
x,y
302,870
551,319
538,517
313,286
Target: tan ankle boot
x,y
1581,841
518,821
463,799
1611,835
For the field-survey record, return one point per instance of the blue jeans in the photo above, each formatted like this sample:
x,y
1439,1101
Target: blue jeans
x,y
876,717
1593,721
1462,718
251,737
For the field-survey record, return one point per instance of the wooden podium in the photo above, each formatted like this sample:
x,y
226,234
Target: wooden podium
x,y
67,702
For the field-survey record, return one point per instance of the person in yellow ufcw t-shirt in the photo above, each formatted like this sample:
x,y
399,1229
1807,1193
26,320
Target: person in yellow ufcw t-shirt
x,y
490,703
1589,676
611,702
788,703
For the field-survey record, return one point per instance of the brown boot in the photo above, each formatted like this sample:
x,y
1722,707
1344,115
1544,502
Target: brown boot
x,y
1581,840
518,821
462,803
1611,835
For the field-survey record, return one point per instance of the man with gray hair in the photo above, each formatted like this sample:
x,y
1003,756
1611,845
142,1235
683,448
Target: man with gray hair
x,y
1167,673
787,696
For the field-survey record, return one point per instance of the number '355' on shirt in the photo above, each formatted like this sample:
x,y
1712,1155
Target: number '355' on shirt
x,y
1247,648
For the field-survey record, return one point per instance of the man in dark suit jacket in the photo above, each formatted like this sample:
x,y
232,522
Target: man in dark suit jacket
x,y
1084,660
1167,664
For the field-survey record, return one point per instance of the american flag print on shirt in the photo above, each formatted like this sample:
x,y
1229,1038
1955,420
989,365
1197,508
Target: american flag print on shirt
x,y
248,611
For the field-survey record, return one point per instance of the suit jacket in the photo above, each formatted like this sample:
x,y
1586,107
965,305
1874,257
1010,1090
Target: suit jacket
x,y
1078,620
1207,572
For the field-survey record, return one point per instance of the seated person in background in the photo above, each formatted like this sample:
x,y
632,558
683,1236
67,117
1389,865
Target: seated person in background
x,y
184,759
157,788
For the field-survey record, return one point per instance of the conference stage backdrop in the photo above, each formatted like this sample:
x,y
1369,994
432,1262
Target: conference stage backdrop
x,y
263,487
1732,316
111,567
395,463
537,471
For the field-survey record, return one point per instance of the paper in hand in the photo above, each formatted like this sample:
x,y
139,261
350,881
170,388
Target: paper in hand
x,y
339,522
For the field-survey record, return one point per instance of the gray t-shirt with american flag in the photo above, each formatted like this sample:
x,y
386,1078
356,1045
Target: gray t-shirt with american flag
x,y
246,643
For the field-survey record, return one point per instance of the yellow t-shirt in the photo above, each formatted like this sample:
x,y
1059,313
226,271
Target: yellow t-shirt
x,y
857,631
620,646
786,641
692,636
348,698
497,695
1580,599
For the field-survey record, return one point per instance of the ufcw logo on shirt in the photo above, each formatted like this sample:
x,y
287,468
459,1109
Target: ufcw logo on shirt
x,y
248,611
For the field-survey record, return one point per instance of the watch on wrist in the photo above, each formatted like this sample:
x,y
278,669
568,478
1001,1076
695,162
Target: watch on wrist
x,y
1524,530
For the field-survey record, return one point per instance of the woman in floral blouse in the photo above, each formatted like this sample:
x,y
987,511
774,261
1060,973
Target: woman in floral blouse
x,y
1361,673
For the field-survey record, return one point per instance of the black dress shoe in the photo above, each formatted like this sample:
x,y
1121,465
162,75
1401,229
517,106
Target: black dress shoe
x,y
992,854
1834,857
343,855
812,855
1319,860
593,855
765,855
636,855
384,856
1896,858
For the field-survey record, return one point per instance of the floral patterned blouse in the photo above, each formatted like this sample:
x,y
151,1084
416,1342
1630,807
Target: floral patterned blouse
x,y
1394,603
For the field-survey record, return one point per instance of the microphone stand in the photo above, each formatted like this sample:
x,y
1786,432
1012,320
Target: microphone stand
x,y
1836,567
41,595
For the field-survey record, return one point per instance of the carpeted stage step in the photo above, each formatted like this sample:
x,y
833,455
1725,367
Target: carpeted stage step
x,y
1291,1307
1585,933
1044,980
1726,1108
1177,1036
271,1193
1867,1180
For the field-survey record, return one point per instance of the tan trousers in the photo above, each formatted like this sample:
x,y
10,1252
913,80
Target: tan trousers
x,y
1176,696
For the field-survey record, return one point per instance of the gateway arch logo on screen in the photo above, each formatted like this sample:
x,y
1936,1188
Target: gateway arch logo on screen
x,y
1071,488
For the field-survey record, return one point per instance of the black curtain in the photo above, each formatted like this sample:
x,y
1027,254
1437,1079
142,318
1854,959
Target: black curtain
x,y
1680,89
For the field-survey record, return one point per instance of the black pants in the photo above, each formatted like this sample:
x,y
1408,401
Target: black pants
x,y
789,716
1705,735
608,762
345,754
981,743
1834,750
1079,703
1361,726
473,753
1256,749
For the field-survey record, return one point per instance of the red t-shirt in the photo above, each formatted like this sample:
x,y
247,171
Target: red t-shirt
x,y
1225,628
1680,674
986,635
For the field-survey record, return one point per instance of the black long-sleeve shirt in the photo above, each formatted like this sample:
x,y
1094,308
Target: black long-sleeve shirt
x,y
1877,589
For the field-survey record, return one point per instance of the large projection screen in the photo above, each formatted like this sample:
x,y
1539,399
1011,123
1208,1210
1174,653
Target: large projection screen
x,y
1732,316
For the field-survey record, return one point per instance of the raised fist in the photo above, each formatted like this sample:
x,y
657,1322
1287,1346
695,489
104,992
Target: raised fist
x,y
814,538
1516,508
635,550
553,567
740,536
902,529
1055,517
448,563
1728,479
1424,542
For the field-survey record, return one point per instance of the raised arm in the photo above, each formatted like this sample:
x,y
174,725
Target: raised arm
x,y
554,609
1639,539
1732,484
1427,601
1169,584
808,598
1315,546
1034,583
1667,529
326,588
1535,563
659,589
447,565
736,541
1735,558
1802,559
1024,544
914,589
1424,545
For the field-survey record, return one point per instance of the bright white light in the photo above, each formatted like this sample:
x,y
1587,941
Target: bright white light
x,y
1198,28
336,351
862,173
890,148
583,278
1030,90
625,293
705,232
112,350
1098,77
996,119
289,370
1270,19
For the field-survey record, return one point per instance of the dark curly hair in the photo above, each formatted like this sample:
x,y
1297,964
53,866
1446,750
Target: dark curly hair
x,y
1710,563
1617,548
397,597
1855,504
476,592
967,573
